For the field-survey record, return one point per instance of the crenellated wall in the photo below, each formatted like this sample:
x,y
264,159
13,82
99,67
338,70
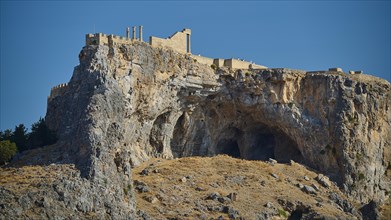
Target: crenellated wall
x,y
57,91
108,40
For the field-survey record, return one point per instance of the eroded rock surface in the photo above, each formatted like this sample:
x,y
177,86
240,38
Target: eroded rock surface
x,y
128,103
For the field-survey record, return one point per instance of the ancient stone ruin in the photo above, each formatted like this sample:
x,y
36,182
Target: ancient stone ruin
x,y
179,41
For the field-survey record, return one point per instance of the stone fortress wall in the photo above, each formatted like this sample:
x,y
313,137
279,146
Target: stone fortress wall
x,y
180,41
110,40
58,90
204,60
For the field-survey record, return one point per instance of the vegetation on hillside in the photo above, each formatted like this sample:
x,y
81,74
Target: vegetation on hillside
x,y
7,151
20,139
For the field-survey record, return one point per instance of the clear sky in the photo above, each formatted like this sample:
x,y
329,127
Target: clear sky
x,y
41,40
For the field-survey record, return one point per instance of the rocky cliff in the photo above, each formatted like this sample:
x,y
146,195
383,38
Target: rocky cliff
x,y
128,103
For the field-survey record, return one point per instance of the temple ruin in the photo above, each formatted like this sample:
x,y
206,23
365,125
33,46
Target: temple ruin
x,y
179,41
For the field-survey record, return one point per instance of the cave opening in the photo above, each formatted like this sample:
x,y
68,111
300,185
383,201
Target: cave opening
x,y
259,145
178,137
249,140
229,147
259,142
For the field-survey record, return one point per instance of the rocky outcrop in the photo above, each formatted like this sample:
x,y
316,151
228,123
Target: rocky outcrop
x,y
56,191
337,124
127,103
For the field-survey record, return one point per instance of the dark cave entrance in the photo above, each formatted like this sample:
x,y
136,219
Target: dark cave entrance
x,y
229,147
250,140
259,146
258,142
177,145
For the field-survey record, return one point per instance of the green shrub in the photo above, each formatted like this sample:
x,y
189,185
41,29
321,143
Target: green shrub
x,y
282,213
7,151
213,66
361,176
126,191
350,118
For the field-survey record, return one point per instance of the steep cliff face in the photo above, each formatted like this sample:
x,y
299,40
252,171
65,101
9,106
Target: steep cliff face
x,y
337,124
128,103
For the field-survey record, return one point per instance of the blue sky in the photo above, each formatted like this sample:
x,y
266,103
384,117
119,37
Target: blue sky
x,y
40,41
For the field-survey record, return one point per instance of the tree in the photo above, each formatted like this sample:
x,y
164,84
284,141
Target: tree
x,y
41,135
19,137
6,135
7,151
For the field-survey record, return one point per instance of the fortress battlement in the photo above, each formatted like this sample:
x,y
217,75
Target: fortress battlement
x,y
57,91
110,40
104,39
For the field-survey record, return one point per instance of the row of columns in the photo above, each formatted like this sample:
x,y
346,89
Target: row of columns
x,y
140,34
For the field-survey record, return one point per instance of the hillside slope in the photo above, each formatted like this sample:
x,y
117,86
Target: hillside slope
x,y
200,187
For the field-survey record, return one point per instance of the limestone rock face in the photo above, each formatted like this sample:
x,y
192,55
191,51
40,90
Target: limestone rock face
x,y
56,191
128,103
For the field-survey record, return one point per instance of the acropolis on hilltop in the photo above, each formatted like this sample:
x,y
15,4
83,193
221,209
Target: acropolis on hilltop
x,y
179,42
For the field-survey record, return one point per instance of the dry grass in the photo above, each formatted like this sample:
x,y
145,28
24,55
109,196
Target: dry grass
x,y
224,175
30,178
369,79
386,210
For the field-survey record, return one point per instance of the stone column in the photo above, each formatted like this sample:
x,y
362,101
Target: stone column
x,y
140,34
134,33
127,33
